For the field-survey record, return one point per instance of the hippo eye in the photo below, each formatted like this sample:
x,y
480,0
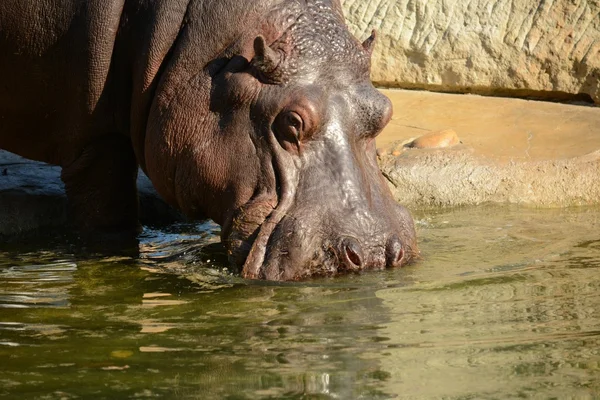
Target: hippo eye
x,y
289,126
294,120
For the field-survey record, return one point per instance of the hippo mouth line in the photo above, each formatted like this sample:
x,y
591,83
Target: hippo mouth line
x,y
287,178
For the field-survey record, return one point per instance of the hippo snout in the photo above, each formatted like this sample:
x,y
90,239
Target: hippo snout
x,y
354,255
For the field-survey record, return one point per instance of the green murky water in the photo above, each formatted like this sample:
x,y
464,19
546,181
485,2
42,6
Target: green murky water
x,y
504,304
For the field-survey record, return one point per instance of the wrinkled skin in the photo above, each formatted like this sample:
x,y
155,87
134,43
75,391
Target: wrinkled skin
x,y
259,115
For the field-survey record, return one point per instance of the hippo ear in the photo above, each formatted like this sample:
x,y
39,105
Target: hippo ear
x,y
267,62
369,43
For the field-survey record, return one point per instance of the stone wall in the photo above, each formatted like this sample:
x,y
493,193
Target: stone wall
x,y
524,48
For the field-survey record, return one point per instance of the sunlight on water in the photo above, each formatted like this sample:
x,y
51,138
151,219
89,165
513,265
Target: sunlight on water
x,y
504,303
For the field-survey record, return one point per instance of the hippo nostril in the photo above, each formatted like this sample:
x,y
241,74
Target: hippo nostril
x,y
394,252
352,253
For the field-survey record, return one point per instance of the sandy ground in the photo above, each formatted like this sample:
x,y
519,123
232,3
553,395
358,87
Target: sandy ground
x,y
501,128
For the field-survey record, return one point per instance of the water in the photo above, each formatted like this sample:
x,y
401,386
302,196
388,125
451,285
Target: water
x,y
504,304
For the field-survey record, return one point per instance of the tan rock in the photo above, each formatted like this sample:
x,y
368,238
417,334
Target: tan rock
x,y
517,47
431,140
435,140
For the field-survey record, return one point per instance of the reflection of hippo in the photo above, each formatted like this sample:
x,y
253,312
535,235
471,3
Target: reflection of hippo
x,y
257,114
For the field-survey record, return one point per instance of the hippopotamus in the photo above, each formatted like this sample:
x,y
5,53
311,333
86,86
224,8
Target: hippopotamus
x,y
257,114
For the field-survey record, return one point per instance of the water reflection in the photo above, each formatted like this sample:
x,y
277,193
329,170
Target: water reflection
x,y
504,304
536,326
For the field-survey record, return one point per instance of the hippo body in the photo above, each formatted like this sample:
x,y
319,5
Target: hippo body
x,y
257,114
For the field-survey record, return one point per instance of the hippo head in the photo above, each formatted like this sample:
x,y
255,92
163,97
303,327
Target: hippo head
x,y
275,140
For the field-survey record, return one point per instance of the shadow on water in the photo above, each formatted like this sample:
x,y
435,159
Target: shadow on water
x,y
504,304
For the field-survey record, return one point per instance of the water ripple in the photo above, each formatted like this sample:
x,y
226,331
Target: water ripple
x,y
43,285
